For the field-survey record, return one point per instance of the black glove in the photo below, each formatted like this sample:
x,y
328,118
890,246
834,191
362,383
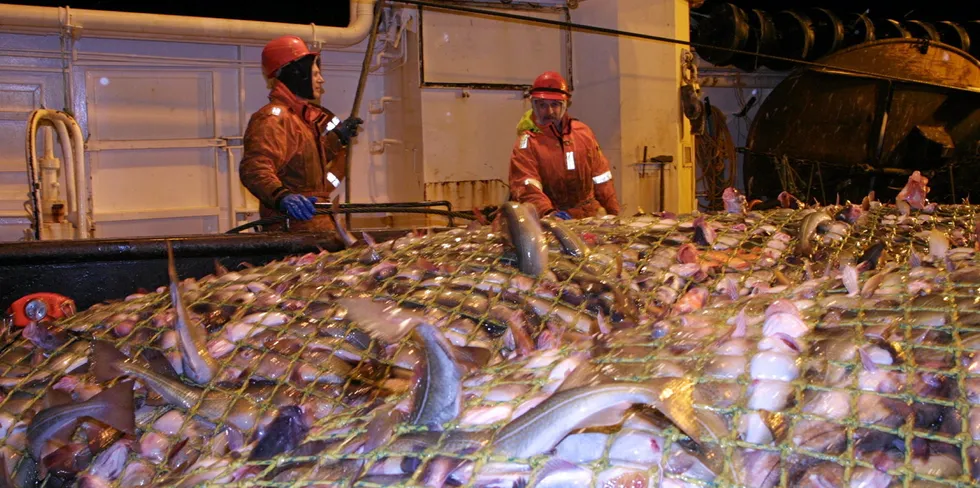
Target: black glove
x,y
348,129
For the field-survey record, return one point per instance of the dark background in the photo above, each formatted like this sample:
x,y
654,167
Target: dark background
x,y
322,12
335,12
931,10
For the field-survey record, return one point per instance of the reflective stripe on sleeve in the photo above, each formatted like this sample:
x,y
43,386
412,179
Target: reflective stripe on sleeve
x,y
333,180
604,177
533,182
333,123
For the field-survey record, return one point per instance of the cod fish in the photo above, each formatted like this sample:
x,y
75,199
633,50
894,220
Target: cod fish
x,y
528,238
242,413
192,338
437,395
113,406
542,427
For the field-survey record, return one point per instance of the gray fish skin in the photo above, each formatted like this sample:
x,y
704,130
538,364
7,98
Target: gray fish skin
x,y
286,432
809,226
571,243
387,322
113,406
349,240
544,426
192,339
438,394
528,238
213,404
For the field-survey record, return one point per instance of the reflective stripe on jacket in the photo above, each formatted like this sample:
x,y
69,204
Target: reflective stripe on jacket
x,y
566,171
289,149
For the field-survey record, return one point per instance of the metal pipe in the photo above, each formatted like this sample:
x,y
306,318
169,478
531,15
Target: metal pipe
x,y
670,40
69,157
348,211
232,186
78,170
376,17
103,23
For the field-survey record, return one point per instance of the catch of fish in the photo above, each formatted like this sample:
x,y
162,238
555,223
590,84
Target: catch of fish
x,y
812,345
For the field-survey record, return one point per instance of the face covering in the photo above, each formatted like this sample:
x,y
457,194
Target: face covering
x,y
298,76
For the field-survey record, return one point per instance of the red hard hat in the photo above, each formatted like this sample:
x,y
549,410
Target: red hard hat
x,y
281,51
550,86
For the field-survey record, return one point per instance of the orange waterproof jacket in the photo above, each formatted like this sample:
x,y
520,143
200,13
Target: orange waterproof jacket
x,y
566,171
289,149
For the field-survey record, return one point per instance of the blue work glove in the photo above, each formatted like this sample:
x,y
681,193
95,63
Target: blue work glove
x,y
348,129
297,206
561,214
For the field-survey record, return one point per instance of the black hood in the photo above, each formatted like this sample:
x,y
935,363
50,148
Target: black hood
x,y
298,76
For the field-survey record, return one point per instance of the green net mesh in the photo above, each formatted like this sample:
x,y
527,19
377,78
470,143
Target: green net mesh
x,y
880,386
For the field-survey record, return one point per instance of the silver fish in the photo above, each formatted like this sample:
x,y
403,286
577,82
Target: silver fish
x,y
541,428
804,246
528,238
199,366
113,406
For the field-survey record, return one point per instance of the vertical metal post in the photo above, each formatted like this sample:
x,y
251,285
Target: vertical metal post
x,y
368,54
663,185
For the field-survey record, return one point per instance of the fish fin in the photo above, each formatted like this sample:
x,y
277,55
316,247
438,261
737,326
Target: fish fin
x,y
120,414
866,361
345,236
381,428
53,398
219,269
678,406
368,239
741,324
586,374
373,317
471,357
552,466
62,437
105,358
159,363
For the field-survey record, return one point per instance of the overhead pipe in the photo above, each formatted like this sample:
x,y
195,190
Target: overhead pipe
x,y
129,25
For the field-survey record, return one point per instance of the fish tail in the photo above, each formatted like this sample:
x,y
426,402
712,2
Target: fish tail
x,y
119,411
348,239
105,361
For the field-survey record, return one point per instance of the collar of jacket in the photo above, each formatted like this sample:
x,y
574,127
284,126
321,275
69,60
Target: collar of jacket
x,y
527,123
313,114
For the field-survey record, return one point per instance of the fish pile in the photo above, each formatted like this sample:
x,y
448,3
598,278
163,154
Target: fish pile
x,y
810,345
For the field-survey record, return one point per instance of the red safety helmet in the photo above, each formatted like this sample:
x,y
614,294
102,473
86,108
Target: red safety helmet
x,y
550,86
281,51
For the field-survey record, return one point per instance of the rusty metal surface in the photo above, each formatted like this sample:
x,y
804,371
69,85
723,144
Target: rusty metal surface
x,y
468,194
857,125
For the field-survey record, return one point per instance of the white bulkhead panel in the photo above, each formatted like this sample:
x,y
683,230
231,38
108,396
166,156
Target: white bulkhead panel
x,y
472,99
465,48
30,78
163,123
152,145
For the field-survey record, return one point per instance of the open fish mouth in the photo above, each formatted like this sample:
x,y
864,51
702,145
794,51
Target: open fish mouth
x,y
651,350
